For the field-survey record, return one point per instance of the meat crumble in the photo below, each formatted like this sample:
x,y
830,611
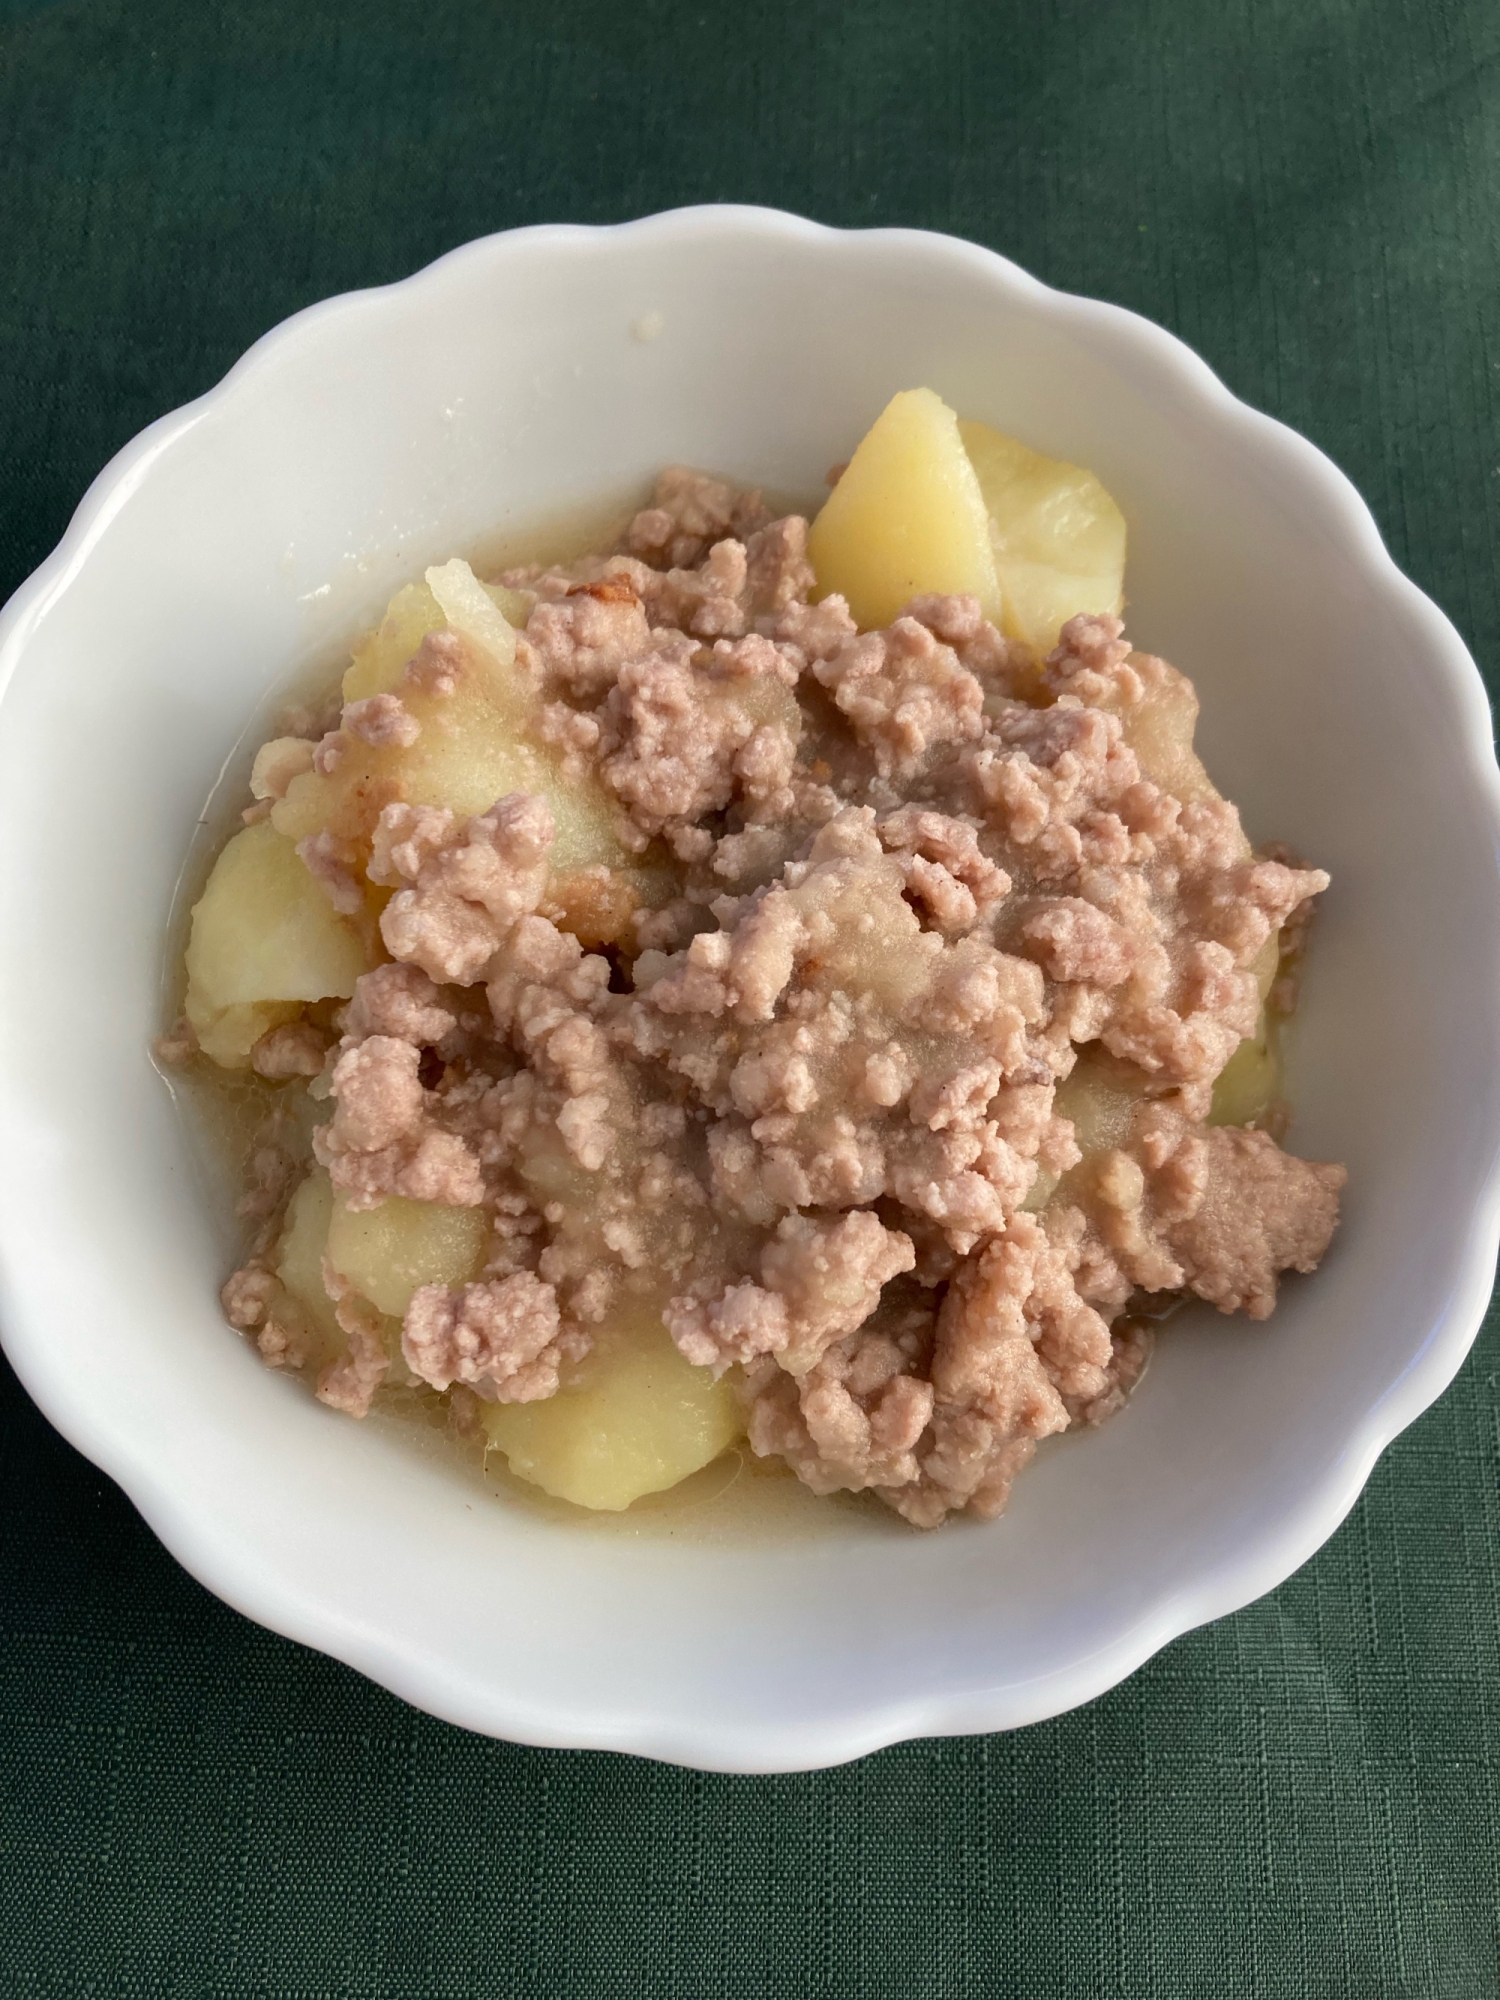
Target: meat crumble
x,y
881,1070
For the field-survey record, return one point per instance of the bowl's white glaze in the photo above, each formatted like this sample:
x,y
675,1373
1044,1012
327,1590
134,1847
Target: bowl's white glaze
x,y
379,432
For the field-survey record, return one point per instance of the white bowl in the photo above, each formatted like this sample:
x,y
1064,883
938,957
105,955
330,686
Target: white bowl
x,y
379,432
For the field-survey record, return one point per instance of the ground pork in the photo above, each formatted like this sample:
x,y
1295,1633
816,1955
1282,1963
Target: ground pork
x,y
689,512
684,734
502,1338
398,1001
469,881
296,1048
381,1139
792,1088
903,691
381,719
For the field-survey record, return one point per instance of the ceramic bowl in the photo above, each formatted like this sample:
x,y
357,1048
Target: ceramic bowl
x,y
240,538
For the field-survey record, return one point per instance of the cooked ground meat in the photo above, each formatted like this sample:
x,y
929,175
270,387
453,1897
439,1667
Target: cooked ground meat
x,y
806,1100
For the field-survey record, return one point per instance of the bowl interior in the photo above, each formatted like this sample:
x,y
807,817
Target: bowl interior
x,y
256,531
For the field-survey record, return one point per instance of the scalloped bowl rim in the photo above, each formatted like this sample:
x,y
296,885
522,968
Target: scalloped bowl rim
x,y
231,1570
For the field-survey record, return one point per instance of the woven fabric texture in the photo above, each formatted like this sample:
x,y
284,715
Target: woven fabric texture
x,y
1301,1801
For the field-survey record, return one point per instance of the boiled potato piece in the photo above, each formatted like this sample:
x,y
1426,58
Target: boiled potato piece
x,y
470,609
381,657
1100,1098
1059,539
1266,964
1101,1103
387,1252
1160,730
906,517
1249,1083
263,938
637,1420
472,749
228,1036
299,1255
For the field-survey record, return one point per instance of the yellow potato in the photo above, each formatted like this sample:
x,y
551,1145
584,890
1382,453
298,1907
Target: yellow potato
x,y
381,657
637,1419
264,937
1160,729
299,1255
1100,1098
471,610
473,748
514,606
906,517
1100,1101
1249,1083
387,1252
1266,964
1058,537
228,1036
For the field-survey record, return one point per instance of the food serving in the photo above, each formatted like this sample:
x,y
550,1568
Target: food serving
x,y
760,980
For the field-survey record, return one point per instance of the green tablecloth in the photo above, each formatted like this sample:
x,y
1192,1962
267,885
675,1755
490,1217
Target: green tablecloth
x,y
1303,1800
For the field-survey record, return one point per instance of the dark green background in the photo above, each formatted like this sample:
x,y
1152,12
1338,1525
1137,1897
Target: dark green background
x,y
1302,1801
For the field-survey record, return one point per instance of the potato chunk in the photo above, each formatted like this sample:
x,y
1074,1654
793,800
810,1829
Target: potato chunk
x,y
264,937
637,1419
1160,730
381,657
906,517
473,747
1249,1083
299,1255
387,1252
1059,539
1100,1098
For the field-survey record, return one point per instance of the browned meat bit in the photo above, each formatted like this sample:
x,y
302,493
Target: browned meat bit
x,y
819,1281
777,572
1219,1212
400,1001
254,1302
583,640
1131,1342
178,1045
955,1434
333,864
1282,998
948,875
816,631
